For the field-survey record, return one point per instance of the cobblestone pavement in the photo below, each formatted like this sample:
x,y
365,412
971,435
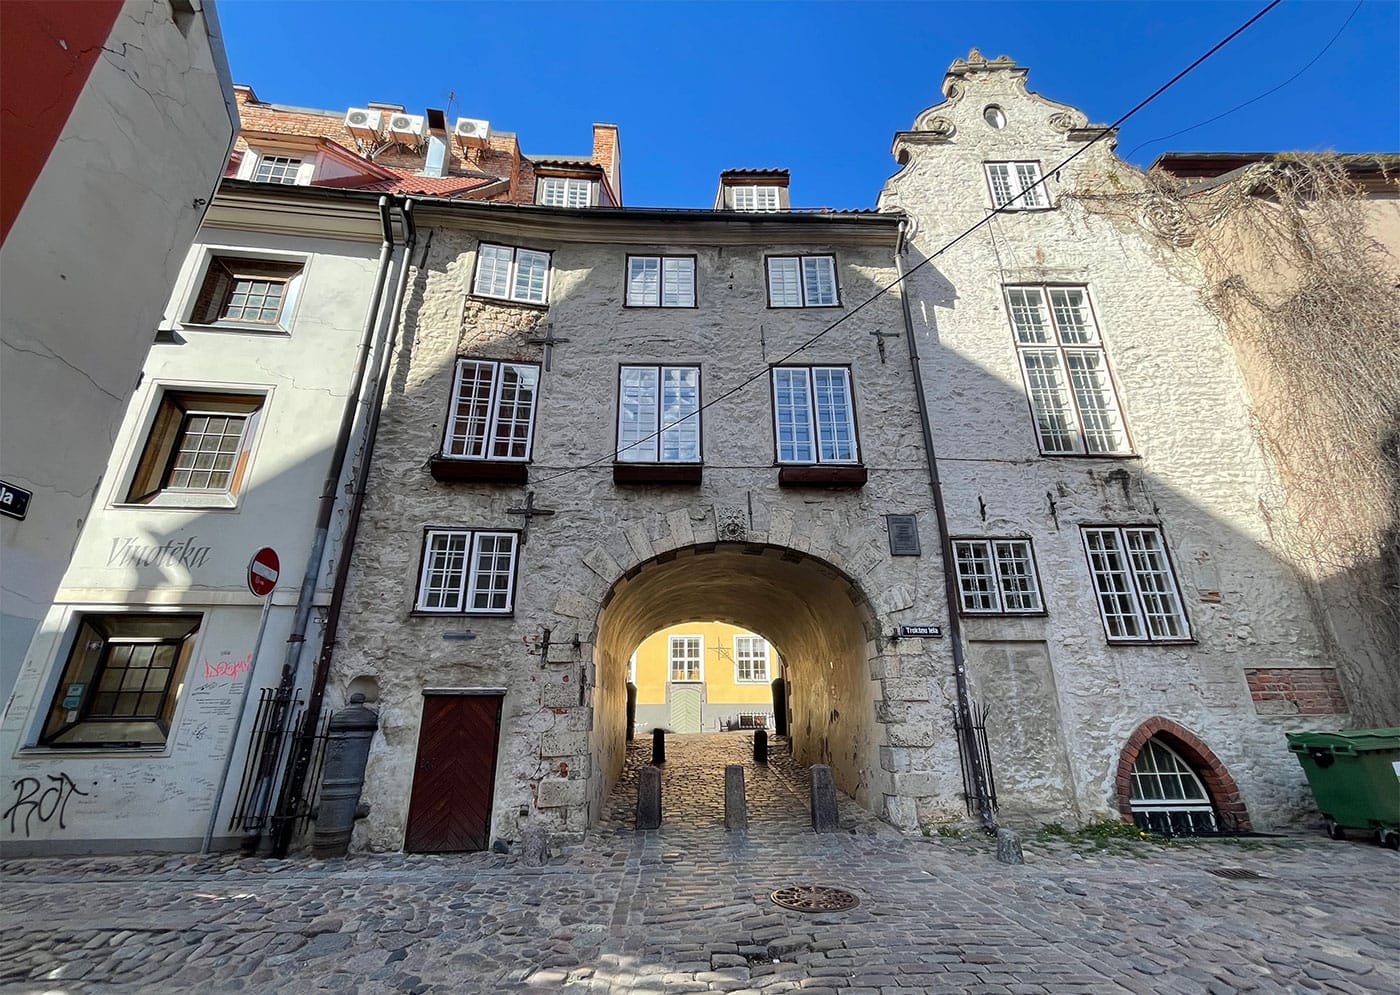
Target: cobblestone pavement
x,y
687,909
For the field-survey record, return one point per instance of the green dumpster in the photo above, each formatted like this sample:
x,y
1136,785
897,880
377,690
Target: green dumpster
x,y
1355,778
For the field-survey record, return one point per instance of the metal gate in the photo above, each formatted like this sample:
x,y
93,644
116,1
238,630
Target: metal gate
x,y
454,776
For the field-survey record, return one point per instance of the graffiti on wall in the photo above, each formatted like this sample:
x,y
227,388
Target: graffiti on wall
x,y
34,801
228,668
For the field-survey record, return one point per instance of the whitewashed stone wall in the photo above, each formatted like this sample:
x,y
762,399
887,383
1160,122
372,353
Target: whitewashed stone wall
x,y
1064,701
809,568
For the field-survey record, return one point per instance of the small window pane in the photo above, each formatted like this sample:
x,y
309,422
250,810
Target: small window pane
x,y
680,415
784,282
515,411
644,281
471,410
819,281
638,410
679,283
493,270
999,176
1050,401
793,414
531,274
277,169
835,419
976,586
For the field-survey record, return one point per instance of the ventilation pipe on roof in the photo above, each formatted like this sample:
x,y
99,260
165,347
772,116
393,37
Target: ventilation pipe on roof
x,y
438,159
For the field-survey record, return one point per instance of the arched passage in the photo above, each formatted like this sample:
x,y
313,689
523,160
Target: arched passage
x,y
818,618
1220,786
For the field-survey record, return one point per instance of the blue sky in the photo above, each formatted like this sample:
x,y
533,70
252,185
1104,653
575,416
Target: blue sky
x,y
820,88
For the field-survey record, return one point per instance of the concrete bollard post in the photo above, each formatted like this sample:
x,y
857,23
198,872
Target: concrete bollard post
x,y
760,746
649,798
1009,847
658,746
825,817
536,844
736,806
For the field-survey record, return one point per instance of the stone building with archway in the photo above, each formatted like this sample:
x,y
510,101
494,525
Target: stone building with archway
x,y
600,423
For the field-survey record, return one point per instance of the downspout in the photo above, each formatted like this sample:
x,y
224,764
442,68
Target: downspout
x,y
293,798
286,689
967,742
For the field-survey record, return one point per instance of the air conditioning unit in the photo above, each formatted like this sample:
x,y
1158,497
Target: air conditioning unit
x,y
407,129
364,122
471,132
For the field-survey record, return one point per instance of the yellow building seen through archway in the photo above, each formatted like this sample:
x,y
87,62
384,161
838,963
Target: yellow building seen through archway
x,y
704,677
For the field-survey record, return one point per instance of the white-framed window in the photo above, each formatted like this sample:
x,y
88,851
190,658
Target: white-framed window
x,y
467,572
997,577
197,451
282,169
1165,794
560,191
751,660
661,281
802,281
755,198
121,681
1016,186
658,414
814,415
687,657
1066,372
1138,595
492,416
511,274
251,294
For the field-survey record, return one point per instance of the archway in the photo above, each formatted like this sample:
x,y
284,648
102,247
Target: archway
x,y
1223,793
816,616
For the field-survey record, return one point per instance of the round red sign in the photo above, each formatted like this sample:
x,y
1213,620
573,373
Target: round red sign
x,y
263,571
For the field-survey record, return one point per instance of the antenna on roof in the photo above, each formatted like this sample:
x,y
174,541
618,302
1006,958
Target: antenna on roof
x,y
451,97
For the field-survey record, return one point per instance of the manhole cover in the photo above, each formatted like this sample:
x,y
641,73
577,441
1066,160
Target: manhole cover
x,y
814,898
1236,873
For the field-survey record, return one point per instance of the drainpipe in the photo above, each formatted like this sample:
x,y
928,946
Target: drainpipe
x,y
286,689
967,741
293,798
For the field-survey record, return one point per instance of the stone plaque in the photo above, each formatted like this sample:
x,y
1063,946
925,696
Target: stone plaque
x,y
904,535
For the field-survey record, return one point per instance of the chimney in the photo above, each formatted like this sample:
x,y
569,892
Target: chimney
x,y
438,158
607,152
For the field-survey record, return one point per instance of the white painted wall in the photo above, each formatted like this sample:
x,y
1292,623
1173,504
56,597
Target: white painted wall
x,y
1065,701
85,268
160,798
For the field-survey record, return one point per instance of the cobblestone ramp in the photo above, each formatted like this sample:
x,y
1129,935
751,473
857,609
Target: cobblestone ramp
x,y
692,788
628,913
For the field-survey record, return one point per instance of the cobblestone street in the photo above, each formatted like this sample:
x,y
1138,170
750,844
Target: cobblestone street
x,y
687,909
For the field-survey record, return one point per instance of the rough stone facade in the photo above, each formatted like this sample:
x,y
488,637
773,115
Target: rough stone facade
x,y
808,567
1064,700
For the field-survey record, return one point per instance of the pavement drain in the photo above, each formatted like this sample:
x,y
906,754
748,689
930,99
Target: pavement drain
x,y
1236,873
814,898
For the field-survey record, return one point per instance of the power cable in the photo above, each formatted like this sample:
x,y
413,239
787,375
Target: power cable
x,y
986,219
1252,100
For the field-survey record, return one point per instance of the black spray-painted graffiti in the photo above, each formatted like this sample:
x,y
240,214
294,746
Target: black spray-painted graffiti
x,y
36,800
128,552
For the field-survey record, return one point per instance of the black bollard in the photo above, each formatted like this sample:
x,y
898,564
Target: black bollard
x,y
649,798
658,747
780,724
760,746
631,710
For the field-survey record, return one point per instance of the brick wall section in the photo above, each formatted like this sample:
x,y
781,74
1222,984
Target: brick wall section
x,y
1224,793
606,154
1296,691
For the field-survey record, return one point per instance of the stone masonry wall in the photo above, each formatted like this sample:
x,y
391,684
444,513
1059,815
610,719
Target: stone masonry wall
x,y
1062,697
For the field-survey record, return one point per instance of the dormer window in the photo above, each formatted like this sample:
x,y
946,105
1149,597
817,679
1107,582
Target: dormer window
x,y
277,169
755,198
559,191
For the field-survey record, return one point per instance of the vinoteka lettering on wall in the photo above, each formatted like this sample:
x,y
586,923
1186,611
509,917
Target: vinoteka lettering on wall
x,y
131,551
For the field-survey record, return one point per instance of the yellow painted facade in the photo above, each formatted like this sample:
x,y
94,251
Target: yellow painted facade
x,y
717,664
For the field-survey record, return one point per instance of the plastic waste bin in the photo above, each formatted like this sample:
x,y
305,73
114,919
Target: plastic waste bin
x,y
1355,779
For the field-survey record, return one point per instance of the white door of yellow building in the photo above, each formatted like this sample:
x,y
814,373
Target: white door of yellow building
x,y
685,692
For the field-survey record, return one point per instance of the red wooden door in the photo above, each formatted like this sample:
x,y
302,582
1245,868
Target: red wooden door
x,y
455,774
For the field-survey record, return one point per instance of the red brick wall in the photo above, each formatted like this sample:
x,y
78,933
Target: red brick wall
x,y
1224,793
1296,691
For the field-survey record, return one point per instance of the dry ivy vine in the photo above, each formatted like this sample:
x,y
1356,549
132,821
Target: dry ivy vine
x,y
1311,303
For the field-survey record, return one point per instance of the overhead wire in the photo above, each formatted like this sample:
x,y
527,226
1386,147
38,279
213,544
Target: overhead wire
x,y
1253,100
986,219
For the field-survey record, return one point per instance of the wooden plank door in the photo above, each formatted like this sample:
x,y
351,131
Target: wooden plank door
x,y
455,775
685,707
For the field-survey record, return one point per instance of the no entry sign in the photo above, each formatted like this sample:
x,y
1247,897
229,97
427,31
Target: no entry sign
x,y
262,571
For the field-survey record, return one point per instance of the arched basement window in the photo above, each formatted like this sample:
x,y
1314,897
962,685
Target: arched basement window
x,y
1167,797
